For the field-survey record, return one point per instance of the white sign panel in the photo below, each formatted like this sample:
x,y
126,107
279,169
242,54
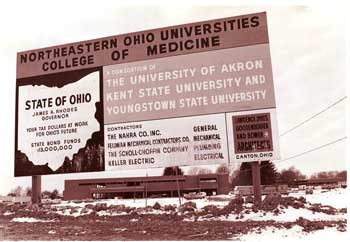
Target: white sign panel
x,y
57,122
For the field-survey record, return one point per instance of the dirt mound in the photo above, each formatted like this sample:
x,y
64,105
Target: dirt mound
x,y
169,208
235,205
319,208
309,225
249,199
309,191
293,202
302,200
341,227
271,202
211,209
74,210
118,208
101,207
343,210
157,206
90,206
121,208
145,209
188,207
84,210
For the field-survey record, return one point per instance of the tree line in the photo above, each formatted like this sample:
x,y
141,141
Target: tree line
x,y
268,172
238,177
20,192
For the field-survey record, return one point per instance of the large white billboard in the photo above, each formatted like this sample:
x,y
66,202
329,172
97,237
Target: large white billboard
x,y
193,94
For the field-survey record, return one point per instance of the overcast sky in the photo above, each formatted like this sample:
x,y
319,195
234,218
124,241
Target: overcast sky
x,y
307,52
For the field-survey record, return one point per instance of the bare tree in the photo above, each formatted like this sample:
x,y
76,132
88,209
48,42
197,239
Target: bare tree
x,y
45,194
329,174
16,192
199,170
223,169
28,191
54,194
291,174
172,171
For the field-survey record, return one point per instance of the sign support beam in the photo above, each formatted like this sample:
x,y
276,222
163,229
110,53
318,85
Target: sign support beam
x,y
146,189
256,182
36,189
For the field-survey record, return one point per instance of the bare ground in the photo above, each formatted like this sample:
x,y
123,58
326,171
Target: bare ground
x,y
170,224
137,227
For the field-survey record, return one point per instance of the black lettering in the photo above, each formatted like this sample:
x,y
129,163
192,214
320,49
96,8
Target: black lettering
x,y
254,21
45,66
23,58
245,23
32,56
27,105
151,50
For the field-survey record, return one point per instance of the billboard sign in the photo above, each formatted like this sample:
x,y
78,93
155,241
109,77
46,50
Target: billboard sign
x,y
200,93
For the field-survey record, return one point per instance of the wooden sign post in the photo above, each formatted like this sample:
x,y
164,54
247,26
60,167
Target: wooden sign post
x,y
36,189
256,182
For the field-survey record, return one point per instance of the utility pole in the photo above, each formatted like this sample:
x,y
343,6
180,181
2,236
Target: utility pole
x,y
178,187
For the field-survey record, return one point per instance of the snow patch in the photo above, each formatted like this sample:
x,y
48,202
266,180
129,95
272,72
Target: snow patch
x,y
286,215
141,202
8,213
120,229
296,232
30,220
334,197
